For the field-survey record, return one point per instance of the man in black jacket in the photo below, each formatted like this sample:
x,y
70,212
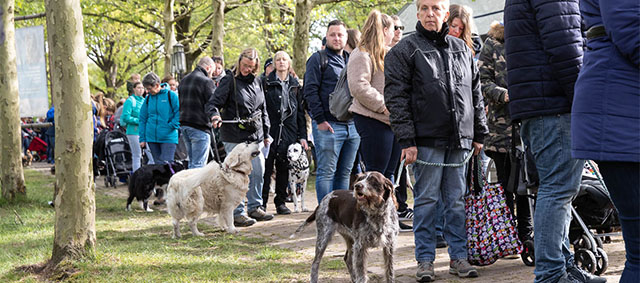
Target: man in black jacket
x,y
544,47
195,90
432,90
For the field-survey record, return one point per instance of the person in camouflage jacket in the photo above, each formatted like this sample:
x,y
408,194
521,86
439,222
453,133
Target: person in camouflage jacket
x,y
493,75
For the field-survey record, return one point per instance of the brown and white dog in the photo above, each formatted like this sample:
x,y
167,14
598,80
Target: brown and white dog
x,y
365,217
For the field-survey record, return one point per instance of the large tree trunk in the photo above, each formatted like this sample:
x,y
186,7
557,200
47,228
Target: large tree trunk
x,y
301,35
75,232
218,27
169,35
11,176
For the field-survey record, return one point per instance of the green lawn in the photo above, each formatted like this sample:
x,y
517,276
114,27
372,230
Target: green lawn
x,y
137,247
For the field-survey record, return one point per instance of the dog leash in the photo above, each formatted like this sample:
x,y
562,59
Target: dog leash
x,y
215,154
466,159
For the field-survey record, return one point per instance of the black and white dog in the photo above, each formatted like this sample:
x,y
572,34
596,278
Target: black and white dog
x,y
143,182
365,217
298,175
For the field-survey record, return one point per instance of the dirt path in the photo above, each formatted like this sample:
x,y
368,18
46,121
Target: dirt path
x,y
282,226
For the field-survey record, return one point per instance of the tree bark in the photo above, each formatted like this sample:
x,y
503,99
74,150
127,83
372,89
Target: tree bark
x,y
218,27
169,35
301,35
11,175
74,231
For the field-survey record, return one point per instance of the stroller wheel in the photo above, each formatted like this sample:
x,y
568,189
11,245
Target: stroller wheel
x,y
586,260
602,261
582,243
528,255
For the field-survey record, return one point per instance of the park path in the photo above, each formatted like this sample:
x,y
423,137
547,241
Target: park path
x,y
281,227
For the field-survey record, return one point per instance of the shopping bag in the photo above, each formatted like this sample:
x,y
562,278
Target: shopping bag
x,y
491,233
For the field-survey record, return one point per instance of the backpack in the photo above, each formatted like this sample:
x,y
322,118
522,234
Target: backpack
x,y
340,99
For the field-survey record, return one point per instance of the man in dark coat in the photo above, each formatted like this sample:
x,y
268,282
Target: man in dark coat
x,y
432,90
544,44
605,124
195,90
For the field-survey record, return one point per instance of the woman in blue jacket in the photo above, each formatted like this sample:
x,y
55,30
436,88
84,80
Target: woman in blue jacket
x,y
130,119
159,119
605,120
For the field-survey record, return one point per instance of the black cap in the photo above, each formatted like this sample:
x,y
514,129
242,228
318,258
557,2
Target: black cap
x,y
267,63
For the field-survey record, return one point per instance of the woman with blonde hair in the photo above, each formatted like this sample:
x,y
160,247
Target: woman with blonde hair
x,y
365,75
240,96
283,98
460,24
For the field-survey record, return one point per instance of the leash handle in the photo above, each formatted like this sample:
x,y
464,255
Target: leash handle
x,y
400,168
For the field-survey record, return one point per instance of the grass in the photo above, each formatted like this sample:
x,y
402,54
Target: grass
x,y
135,246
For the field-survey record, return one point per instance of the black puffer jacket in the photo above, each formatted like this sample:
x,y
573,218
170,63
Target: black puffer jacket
x,y
249,98
195,90
432,90
290,126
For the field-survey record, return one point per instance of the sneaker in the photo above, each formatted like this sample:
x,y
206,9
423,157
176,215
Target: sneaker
x,y
283,210
425,272
406,214
462,268
260,215
243,221
584,276
405,227
440,242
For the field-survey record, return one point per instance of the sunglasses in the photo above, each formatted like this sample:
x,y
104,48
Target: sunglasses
x,y
399,27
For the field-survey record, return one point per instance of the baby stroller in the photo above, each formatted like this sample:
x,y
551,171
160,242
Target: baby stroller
x,y
589,254
117,157
38,149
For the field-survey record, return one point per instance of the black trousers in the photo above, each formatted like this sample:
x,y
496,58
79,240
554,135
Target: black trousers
x,y
282,178
523,215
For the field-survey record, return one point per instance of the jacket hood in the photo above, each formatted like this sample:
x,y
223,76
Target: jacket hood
x,y
496,31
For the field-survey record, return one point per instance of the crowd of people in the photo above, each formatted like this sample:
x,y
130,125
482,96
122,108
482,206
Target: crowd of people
x,y
432,97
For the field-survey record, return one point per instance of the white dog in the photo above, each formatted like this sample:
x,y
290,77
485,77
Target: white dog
x,y
213,189
298,174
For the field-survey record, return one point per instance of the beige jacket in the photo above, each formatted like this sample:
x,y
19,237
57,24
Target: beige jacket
x,y
366,88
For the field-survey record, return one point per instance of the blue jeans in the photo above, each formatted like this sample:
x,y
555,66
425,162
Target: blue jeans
x,y
136,151
162,152
335,154
439,184
623,181
254,195
378,147
549,138
197,142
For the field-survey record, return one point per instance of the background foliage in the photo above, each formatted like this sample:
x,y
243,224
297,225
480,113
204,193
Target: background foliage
x,y
127,36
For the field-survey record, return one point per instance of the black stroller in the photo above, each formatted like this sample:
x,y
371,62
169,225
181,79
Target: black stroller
x,y
112,157
592,202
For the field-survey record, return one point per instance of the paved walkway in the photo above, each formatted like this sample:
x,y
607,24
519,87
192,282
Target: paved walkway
x,y
281,227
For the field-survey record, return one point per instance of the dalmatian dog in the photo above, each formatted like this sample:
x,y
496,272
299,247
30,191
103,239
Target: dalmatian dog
x,y
298,174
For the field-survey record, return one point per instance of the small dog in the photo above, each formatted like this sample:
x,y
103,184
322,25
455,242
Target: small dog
x,y
27,159
365,217
298,174
143,182
215,188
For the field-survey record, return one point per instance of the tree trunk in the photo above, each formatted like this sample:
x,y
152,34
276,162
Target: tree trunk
x,y
218,27
169,35
301,35
11,176
74,231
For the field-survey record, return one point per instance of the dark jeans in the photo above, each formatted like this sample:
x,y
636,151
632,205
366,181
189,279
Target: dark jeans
x,y
623,181
282,178
378,147
523,215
